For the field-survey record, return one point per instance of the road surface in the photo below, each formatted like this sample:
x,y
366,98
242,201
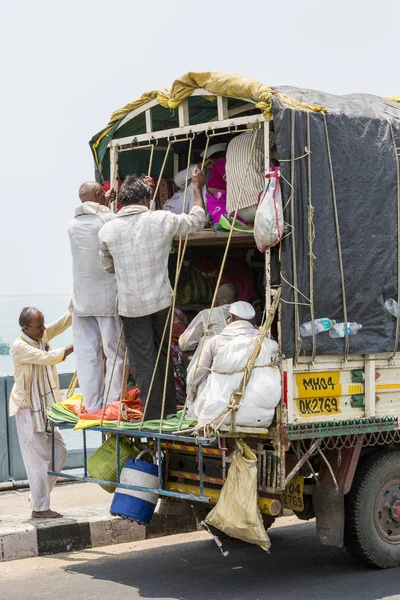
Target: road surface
x,y
191,567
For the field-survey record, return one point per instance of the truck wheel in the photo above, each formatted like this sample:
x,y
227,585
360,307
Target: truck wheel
x,y
372,510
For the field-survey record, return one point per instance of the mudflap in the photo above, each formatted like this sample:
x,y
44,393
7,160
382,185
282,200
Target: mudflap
x,y
328,503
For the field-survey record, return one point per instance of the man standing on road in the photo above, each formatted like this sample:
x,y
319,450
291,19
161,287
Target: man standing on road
x,y
35,389
135,246
96,326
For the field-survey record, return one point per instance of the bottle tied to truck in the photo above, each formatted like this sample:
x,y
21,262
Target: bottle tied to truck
x,y
392,307
339,330
320,325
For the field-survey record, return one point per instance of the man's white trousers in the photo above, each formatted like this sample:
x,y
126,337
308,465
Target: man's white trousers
x,y
36,454
93,336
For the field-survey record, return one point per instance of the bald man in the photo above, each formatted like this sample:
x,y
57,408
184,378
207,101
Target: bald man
x,y
96,325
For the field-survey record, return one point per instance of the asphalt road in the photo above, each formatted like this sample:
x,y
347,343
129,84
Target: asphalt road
x,y
191,567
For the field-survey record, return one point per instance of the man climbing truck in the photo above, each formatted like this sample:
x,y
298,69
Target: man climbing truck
x,y
324,252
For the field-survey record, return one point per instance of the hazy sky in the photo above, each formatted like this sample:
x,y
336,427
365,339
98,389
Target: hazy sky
x,y
66,66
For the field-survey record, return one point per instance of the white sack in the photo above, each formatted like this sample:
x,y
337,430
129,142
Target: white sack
x,y
268,223
263,390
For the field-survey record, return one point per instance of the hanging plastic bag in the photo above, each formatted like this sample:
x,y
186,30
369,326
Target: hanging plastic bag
x,y
268,223
237,513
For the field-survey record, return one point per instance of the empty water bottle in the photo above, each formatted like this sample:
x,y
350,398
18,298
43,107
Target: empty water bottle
x,y
392,307
339,330
320,325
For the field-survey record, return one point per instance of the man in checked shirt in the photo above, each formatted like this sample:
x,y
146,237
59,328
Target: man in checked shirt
x,y
135,246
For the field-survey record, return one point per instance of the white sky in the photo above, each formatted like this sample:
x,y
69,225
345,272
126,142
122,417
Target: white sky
x,y
66,66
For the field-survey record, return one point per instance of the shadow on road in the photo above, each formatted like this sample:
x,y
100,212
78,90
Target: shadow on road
x,y
298,567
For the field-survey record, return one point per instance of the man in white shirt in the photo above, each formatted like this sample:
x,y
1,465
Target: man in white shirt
x,y
35,389
191,338
135,246
96,326
220,369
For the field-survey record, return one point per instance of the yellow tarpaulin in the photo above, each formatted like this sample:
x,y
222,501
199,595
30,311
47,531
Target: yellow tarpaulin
x,y
223,84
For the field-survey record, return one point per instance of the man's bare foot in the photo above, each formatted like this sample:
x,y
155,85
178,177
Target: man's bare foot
x,y
45,514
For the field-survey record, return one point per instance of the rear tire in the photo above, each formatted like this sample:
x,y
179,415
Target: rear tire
x,y
372,510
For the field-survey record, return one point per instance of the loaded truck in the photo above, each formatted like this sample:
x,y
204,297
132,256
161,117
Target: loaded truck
x,y
330,289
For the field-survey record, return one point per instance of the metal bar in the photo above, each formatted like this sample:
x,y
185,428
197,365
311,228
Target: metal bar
x,y
131,487
222,104
149,121
183,113
143,434
168,133
195,477
159,460
117,438
52,446
201,471
301,462
84,452
369,386
192,449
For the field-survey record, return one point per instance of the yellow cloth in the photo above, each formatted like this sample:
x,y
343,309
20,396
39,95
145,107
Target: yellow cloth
x,y
224,84
26,356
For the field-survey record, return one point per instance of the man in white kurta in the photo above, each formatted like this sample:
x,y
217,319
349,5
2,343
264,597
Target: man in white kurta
x,y
191,338
35,389
96,326
220,370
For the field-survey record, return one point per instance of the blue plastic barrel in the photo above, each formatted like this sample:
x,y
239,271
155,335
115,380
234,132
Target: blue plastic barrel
x,y
135,504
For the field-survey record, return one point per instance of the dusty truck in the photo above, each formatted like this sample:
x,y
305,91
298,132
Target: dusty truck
x,y
330,289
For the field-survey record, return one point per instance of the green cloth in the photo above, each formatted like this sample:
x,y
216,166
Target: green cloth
x,y
59,414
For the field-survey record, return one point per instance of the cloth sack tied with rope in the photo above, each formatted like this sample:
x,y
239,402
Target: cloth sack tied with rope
x,y
223,364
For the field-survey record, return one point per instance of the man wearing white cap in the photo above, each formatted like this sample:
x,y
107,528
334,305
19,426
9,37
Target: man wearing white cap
x,y
177,202
241,315
220,369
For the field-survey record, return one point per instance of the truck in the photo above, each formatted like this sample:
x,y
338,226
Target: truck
x,y
333,450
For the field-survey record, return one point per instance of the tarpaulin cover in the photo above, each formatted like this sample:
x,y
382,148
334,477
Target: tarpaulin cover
x,y
363,134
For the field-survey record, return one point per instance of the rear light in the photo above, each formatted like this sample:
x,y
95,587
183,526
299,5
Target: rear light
x,y
285,390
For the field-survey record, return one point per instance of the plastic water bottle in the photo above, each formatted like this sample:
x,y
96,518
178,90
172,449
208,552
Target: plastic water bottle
x,y
339,330
320,325
392,307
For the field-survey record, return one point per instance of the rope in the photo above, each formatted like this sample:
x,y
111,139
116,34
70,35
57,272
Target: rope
x,y
124,379
153,200
396,154
339,244
72,385
222,266
237,396
181,253
151,160
294,263
310,236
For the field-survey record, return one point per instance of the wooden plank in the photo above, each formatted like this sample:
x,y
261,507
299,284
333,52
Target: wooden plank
x,y
183,114
209,237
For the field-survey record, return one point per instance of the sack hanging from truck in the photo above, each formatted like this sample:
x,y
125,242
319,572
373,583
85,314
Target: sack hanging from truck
x,y
268,224
236,512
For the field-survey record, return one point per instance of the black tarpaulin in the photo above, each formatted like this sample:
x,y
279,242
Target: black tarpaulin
x,y
360,132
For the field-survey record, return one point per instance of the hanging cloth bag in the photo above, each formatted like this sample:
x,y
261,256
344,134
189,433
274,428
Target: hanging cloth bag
x,y
236,512
268,223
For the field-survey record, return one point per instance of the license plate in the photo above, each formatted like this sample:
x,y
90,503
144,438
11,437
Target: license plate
x,y
315,407
292,497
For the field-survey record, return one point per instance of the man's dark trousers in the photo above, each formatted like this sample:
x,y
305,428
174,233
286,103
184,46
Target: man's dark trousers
x,y
143,337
